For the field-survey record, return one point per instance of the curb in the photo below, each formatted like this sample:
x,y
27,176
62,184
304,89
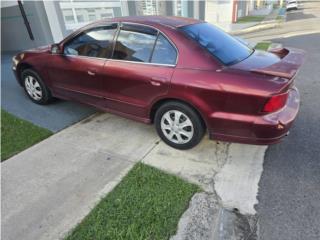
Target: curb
x,y
262,26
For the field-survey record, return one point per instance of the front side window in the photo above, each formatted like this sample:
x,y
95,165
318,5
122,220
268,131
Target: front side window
x,y
95,42
220,44
135,43
164,52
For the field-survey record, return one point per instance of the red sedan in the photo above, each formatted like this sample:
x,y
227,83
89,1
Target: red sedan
x,y
184,75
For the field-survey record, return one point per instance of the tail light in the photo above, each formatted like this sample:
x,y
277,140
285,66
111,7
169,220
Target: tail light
x,y
275,103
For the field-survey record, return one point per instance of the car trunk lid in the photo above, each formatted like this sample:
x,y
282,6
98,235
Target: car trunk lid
x,y
274,71
290,60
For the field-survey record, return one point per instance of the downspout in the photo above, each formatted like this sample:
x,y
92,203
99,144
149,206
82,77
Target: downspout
x,y
25,19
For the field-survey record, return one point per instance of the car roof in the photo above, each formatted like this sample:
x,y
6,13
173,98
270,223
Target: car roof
x,y
173,22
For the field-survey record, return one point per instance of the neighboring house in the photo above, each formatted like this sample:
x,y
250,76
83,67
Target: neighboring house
x,y
77,14
224,12
51,21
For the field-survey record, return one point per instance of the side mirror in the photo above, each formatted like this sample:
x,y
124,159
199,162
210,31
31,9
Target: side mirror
x,y
56,49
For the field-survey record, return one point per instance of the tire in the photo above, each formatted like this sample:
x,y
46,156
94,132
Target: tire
x,y
184,133
35,88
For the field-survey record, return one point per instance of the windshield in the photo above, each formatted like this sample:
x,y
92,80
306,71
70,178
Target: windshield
x,y
220,44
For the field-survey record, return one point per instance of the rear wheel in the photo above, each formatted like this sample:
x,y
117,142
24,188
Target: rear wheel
x,y
35,87
179,125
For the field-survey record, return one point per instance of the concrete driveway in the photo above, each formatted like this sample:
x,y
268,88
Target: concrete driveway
x,y
48,188
54,117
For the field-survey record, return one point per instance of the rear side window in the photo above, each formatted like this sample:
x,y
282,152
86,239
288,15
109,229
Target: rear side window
x,y
164,52
95,42
135,43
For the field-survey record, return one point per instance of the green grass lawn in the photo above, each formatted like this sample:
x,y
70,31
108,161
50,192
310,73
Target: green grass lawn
x,y
248,19
146,204
18,134
263,46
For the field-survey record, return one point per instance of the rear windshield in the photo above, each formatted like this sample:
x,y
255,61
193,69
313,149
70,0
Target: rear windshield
x,y
220,44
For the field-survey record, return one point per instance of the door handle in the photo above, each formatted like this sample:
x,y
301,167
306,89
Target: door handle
x,y
91,73
157,81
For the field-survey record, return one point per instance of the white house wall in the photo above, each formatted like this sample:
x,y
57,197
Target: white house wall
x,y
14,34
219,12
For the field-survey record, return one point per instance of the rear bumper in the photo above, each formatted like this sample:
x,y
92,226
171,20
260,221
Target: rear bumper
x,y
262,130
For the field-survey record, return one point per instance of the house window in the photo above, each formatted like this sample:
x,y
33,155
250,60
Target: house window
x,y
106,15
69,19
80,18
92,17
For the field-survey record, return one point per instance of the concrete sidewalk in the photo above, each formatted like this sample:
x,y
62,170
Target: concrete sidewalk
x,y
270,21
50,187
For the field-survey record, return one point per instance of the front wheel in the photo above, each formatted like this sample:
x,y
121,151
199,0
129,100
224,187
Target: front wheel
x,y
35,88
179,125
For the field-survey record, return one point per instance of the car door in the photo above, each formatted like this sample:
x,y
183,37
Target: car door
x,y
140,70
76,74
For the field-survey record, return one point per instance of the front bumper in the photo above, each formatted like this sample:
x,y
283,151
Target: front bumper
x,y
15,61
262,130
14,70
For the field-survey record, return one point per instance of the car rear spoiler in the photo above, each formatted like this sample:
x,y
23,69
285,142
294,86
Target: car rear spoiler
x,y
288,66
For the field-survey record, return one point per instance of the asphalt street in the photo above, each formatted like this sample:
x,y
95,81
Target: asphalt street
x,y
54,116
289,190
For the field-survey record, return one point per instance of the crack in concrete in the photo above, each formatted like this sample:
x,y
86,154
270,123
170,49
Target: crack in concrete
x,y
236,183
235,226
206,217
197,221
211,216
